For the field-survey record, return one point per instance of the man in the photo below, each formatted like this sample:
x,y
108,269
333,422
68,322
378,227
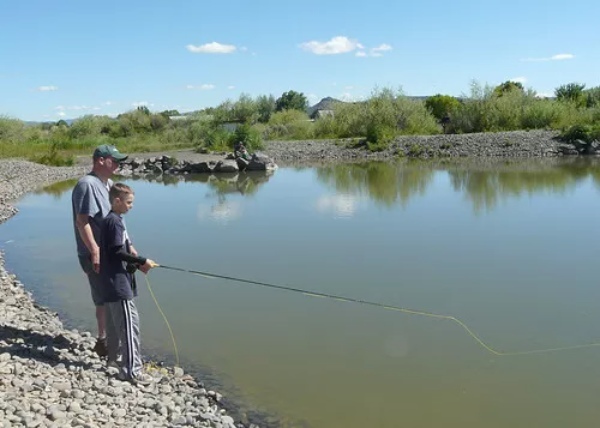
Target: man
x,y
90,204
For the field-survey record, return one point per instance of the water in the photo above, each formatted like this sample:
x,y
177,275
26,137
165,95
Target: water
x,y
509,248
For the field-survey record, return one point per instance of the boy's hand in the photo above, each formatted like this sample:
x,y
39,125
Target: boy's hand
x,y
148,265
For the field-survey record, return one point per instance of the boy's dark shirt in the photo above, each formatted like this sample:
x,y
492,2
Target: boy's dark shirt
x,y
114,255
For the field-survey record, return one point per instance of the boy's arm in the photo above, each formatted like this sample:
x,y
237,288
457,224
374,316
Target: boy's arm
x,y
122,254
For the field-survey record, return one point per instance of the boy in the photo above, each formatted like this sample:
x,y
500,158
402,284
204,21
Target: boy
x,y
117,269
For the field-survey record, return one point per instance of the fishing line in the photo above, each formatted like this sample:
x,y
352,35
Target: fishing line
x,y
165,319
309,293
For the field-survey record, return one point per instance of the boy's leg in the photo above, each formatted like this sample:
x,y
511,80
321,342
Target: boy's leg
x,y
127,323
112,332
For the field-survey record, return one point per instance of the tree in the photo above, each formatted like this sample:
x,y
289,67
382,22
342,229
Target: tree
x,y
441,105
144,109
571,92
244,109
508,86
169,113
291,100
593,97
265,106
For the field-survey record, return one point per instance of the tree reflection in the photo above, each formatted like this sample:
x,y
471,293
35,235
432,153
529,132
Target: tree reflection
x,y
386,183
485,182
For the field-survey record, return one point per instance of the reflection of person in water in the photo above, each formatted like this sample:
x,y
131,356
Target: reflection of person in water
x,y
240,151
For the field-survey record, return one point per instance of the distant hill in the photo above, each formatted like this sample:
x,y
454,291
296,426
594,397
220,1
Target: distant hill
x,y
325,104
328,102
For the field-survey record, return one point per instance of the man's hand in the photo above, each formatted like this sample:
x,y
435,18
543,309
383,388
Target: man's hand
x,y
95,258
148,265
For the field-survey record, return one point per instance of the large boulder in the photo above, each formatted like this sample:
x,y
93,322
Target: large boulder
x,y
201,167
260,162
227,165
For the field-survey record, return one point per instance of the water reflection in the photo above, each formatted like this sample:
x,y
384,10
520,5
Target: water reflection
x,y
484,183
385,183
244,183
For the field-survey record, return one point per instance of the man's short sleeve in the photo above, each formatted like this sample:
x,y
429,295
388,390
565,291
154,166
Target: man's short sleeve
x,y
84,200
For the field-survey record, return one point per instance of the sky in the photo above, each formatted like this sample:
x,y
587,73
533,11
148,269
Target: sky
x,y
69,58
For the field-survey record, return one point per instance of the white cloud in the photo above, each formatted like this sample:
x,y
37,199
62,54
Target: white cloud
x,y
348,97
142,104
519,79
222,212
77,108
337,45
47,88
374,52
107,103
544,95
343,205
382,48
557,57
61,113
312,98
212,48
560,57
203,87
230,87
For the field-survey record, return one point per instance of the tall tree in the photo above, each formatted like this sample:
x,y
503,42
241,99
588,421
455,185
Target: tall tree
x,y
508,86
291,100
571,92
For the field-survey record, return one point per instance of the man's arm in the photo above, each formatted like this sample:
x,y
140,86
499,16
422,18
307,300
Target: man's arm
x,y
87,236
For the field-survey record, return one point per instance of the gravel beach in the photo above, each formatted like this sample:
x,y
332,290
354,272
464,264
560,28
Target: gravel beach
x,y
50,376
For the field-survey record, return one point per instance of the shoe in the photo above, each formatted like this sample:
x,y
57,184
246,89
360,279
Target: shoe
x,y
141,379
112,363
100,347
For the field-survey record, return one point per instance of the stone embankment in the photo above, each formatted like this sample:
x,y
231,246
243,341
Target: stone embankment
x,y
49,375
500,144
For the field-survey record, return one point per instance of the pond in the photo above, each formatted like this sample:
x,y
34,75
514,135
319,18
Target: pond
x,y
508,248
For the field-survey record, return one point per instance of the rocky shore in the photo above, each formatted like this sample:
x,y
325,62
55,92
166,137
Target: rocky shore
x,y
49,375
500,144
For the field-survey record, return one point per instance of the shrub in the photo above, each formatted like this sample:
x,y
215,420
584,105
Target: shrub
x,y
587,133
247,135
289,124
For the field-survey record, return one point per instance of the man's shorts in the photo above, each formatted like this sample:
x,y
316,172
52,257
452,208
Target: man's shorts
x,y
94,278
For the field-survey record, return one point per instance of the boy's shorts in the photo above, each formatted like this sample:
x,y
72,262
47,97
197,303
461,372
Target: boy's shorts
x,y
94,279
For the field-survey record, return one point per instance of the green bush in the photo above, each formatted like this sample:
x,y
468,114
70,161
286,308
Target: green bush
x,y
289,124
587,133
247,135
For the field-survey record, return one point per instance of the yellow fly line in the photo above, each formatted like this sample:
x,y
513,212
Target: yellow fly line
x,y
463,325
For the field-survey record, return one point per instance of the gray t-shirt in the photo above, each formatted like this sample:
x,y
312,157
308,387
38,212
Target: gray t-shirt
x,y
90,196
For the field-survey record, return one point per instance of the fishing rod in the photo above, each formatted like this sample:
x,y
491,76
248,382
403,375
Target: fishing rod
x,y
346,299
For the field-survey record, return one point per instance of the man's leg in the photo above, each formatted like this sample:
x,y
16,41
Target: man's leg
x,y
101,320
98,299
